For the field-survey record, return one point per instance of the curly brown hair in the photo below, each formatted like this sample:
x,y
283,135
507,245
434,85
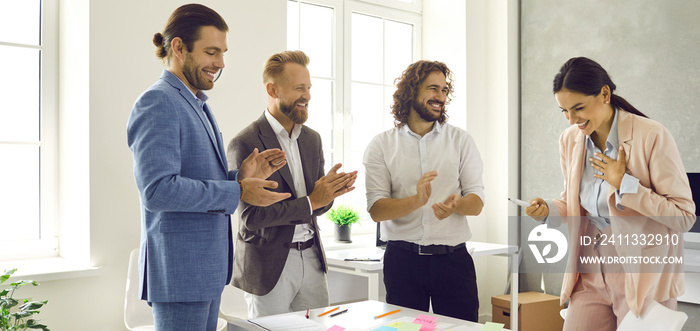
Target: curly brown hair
x,y
407,88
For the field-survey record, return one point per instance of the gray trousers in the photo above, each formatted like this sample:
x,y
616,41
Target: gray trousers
x,y
302,285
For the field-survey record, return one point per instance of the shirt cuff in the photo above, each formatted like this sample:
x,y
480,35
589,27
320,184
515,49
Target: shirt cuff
x,y
553,220
629,184
310,207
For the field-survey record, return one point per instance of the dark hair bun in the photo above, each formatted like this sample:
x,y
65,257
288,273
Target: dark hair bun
x,y
161,52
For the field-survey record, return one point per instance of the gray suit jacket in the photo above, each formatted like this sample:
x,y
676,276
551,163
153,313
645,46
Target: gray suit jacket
x,y
263,231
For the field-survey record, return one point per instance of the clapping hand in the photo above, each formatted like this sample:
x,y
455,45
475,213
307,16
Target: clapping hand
x,y
262,165
254,192
423,187
331,186
443,210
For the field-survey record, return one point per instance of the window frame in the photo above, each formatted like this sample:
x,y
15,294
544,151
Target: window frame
x,y
393,10
47,244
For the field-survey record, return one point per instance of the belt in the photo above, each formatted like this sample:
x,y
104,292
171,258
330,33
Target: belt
x,y
300,246
426,250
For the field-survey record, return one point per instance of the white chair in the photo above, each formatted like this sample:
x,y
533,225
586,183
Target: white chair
x,y
655,316
233,305
138,315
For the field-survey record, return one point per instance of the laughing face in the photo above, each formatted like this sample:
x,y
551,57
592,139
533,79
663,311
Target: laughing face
x,y
203,63
432,94
293,92
590,113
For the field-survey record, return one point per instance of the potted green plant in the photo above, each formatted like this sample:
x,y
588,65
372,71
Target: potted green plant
x,y
343,216
20,318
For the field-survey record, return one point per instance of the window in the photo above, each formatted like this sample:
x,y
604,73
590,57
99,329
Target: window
x,y
357,50
27,129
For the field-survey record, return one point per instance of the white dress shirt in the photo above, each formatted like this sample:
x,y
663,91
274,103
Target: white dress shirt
x,y
394,162
594,191
302,232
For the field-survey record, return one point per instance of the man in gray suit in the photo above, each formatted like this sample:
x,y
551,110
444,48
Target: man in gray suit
x,y
279,260
185,188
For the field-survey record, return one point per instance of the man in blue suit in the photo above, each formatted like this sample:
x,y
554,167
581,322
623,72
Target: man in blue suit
x,y
186,191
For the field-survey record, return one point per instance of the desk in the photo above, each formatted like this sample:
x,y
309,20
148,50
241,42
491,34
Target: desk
x,y
371,270
360,316
691,265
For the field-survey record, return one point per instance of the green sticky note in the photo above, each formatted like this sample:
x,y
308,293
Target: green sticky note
x,y
490,326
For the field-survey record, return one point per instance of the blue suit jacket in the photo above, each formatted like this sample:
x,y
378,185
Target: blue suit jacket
x,y
186,194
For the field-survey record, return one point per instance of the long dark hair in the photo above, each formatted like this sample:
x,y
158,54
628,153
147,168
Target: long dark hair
x,y
586,76
185,22
407,88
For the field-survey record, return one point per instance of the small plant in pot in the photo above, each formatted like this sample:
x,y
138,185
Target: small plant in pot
x,y
20,318
343,216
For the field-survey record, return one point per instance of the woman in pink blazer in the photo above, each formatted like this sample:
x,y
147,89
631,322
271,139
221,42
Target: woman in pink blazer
x,y
626,192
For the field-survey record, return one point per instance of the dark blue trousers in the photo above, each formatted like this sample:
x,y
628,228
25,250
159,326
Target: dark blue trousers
x,y
446,280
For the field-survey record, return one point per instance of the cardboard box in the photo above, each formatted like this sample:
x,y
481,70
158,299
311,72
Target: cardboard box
x,y
536,311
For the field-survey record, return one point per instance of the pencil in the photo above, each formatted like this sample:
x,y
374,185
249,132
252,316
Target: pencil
x,y
332,310
389,313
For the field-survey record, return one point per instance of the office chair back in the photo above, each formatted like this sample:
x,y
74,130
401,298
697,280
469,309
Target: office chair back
x,y
137,313
233,305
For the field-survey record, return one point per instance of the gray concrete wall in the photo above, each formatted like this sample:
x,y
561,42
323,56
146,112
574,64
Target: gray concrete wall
x,y
649,48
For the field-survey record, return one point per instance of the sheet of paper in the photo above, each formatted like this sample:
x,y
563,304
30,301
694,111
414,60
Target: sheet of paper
x,y
395,323
464,328
443,326
287,322
490,326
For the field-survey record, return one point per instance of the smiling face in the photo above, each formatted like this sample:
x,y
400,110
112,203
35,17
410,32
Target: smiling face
x,y
432,94
203,63
293,91
591,113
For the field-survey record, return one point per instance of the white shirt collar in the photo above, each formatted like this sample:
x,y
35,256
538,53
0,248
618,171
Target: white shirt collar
x,y
279,129
437,127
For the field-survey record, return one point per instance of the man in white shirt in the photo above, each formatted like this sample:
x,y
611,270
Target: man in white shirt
x,y
279,260
422,178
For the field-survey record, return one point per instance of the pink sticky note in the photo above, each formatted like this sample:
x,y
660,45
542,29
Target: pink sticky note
x,y
428,322
336,328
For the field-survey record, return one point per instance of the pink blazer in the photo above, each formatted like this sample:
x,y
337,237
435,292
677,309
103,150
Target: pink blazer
x,y
662,205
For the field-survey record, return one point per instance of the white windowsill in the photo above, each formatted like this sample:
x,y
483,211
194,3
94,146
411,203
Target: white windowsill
x,y
48,269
